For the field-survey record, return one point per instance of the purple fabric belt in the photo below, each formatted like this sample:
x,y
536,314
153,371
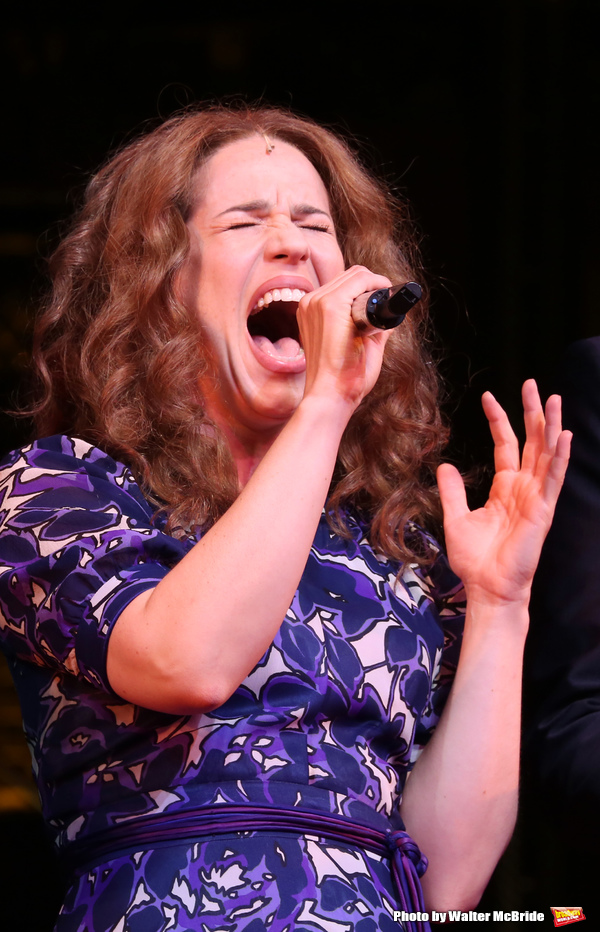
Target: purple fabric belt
x,y
408,864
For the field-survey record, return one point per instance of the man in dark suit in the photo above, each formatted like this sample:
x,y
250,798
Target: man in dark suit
x,y
561,758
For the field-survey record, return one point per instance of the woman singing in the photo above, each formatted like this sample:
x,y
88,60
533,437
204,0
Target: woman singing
x,y
232,632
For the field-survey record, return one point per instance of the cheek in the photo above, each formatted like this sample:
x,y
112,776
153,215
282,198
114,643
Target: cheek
x,y
334,265
187,283
336,258
220,281
220,327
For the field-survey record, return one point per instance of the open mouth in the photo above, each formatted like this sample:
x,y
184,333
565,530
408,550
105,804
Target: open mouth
x,y
272,323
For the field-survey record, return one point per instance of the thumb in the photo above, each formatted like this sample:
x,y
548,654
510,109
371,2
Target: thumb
x,y
452,492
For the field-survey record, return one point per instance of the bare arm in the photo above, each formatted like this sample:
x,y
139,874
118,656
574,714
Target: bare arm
x,y
187,644
460,802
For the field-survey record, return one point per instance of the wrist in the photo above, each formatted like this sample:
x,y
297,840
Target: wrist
x,y
491,614
332,412
518,599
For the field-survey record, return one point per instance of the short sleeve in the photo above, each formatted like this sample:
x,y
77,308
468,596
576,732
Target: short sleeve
x,y
78,542
447,593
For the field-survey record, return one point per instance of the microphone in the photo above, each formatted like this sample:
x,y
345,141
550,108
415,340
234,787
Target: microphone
x,y
385,308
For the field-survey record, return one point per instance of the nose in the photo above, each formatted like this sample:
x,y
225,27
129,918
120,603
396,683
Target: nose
x,y
286,240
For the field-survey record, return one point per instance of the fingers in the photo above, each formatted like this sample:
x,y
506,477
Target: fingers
x,y
535,425
553,421
557,467
349,284
452,492
325,313
506,445
543,426
546,449
340,362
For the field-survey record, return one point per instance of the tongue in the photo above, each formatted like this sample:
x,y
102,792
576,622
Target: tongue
x,y
285,346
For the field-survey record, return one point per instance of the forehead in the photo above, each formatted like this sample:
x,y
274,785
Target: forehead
x,y
243,171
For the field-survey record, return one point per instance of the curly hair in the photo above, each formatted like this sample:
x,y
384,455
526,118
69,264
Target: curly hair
x,y
118,356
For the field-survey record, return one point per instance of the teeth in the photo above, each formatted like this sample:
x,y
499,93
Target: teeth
x,y
278,294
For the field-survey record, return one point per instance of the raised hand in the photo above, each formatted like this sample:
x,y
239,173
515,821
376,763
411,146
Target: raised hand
x,y
495,549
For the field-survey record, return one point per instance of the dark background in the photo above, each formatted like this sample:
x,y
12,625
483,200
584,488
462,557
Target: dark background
x,y
483,114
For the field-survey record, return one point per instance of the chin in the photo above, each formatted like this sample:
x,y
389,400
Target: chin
x,y
278,411
273,405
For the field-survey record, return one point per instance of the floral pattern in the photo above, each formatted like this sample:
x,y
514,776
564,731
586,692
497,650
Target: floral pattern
x,y
330,720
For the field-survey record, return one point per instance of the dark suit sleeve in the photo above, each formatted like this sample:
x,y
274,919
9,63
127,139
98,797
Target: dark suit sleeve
x,y
562,671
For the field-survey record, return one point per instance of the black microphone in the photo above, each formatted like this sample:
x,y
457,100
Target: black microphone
x,y
385,308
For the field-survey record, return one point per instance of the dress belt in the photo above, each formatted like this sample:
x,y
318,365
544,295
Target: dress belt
x,y
408,864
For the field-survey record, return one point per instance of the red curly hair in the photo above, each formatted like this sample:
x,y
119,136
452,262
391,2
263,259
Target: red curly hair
x,y
119,356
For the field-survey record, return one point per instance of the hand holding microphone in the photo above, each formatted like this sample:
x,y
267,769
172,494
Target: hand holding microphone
x,y
339,366
385,308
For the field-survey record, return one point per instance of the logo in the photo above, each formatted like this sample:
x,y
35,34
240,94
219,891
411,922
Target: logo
x,y
564,915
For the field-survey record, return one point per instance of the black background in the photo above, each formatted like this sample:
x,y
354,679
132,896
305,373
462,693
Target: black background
x,y
483,114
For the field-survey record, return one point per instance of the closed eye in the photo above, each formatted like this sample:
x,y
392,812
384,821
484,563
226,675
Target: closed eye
x,y
315,226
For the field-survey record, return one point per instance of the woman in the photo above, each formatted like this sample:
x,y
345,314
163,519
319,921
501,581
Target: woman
x,y
225,687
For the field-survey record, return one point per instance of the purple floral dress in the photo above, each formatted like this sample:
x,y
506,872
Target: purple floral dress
x,y
329,722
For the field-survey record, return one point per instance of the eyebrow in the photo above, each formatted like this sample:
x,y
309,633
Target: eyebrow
x,y
297,209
